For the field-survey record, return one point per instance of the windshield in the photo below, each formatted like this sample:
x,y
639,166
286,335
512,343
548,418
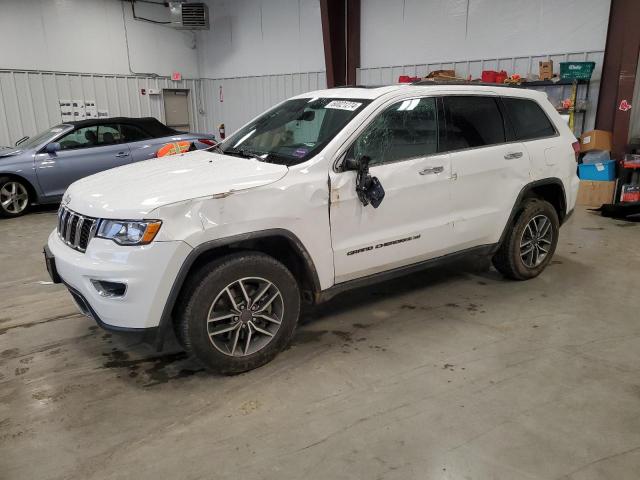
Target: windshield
x,y
294,131
42,137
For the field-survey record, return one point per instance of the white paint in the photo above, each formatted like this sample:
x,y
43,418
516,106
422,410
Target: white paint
x,y
258,37
88,36
401,32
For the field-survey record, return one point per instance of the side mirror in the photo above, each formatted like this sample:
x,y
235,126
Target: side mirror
x,y
368,188
52,147
350,163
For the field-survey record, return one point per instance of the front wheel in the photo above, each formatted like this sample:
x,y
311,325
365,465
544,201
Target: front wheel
x,y
14,197
238,312
530,242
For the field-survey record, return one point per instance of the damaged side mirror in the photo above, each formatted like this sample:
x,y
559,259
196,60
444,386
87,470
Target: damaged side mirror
x,y
368,188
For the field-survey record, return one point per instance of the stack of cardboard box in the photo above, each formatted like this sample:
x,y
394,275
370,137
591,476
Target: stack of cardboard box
x,y
597,177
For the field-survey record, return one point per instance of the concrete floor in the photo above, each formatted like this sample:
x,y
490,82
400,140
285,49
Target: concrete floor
x,y
448,374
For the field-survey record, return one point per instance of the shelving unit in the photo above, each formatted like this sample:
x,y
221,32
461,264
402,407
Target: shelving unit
x,y
574,96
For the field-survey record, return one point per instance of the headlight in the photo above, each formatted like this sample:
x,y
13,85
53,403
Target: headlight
x,y
125,232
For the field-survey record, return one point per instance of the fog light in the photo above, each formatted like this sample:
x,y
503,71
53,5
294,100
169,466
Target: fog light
x,y
109,289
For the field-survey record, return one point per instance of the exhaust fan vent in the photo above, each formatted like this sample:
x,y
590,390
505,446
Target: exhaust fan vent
x,y
189,16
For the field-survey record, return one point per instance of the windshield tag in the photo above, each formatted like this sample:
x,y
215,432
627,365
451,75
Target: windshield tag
x,y
343,105
300,152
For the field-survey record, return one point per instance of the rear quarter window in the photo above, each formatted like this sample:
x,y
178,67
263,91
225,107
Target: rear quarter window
x,y
528,119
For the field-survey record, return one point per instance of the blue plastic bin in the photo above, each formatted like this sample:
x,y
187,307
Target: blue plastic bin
x,y
603,171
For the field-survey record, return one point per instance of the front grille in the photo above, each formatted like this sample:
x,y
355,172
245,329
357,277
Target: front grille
x,y
76,230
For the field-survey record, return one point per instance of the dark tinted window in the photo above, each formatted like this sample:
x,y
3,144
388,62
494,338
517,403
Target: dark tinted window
x,y
407,129
471,121
527,118
131,133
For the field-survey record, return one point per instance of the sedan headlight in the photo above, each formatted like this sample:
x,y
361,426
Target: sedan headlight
x,y
125,232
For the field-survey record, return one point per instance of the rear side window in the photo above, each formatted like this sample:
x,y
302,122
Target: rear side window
x,y
132,133
528,119
471,121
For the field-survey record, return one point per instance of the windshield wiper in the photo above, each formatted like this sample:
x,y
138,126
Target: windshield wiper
x,y
248,154
216,148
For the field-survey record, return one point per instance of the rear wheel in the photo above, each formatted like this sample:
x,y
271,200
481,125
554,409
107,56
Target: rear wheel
x,y
14,197
239,312
530,242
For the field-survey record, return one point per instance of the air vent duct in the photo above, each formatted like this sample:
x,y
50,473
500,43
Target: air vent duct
x,y
189,16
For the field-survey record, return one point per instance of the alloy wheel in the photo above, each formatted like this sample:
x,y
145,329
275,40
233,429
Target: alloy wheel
x,y
245,316
14,197
536,241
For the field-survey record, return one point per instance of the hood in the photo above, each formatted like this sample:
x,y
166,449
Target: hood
x,y
133,191
9,151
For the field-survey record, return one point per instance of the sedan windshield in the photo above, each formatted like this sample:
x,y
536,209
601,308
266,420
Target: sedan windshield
x,y
294,131
42,137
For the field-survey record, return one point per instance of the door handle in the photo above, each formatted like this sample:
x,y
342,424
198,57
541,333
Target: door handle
x,y
122,154
431,170
512,155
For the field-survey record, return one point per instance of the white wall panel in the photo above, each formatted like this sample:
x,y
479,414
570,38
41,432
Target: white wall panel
x,y
401,32
261,37
89,36
521,65
29,100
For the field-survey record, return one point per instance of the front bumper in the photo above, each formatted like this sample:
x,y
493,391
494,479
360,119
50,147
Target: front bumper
x,y
148,272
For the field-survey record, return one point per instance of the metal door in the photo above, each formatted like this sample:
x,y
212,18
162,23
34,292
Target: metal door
x,y
176,109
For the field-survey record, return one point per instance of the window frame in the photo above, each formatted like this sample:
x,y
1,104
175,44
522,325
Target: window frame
x,y
374,116
511,122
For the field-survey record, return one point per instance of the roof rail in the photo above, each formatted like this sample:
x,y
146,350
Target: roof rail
x,y
463,82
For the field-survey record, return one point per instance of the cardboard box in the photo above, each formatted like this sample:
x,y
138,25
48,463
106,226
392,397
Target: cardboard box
x,y
594,194
546,70
595,140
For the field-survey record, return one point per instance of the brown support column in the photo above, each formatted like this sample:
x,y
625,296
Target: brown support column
x,y
341,39
619,72
353,40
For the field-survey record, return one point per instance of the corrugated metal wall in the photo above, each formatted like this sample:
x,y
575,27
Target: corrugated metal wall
x,y
29,100
244,98
521,65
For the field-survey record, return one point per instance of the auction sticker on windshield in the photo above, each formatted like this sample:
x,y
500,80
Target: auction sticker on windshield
x,y
343,105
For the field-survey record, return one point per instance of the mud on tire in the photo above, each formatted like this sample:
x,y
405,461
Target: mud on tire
x,y
238,312
530,242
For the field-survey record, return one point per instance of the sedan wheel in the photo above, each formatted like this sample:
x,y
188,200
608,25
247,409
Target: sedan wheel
x,y
14,198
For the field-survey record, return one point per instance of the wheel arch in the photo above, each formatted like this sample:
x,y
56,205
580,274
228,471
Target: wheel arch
x,y
281,244
549,189
33,193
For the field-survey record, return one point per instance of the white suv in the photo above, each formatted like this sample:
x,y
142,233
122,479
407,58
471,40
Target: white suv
x,y
327,191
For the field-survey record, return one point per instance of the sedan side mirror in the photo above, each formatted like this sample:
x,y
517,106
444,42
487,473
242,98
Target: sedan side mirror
x,y
52,147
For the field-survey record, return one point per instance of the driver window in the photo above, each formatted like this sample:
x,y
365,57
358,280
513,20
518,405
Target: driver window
x,y
407,129
85,137
108,135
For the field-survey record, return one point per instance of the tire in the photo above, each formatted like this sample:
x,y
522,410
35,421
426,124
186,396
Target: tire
x,y
512,259
14,197
209,303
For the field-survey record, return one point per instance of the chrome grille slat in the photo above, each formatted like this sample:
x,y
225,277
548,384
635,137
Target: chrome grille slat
x,y
76,230
67,230
76,238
